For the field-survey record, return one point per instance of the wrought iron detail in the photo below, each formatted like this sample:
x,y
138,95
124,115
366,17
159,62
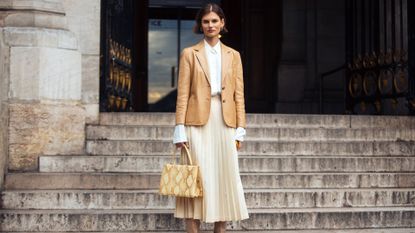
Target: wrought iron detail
x,y
377,42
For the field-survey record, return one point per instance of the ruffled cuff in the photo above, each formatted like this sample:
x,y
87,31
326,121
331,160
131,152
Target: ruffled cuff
x,y
179,134
240,134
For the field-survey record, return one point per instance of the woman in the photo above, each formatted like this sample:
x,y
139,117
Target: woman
x,y
210,105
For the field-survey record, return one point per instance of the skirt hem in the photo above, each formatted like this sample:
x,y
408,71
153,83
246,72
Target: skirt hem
x,y
213,220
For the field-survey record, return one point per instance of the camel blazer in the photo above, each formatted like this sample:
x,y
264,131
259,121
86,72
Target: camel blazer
x,y
194,93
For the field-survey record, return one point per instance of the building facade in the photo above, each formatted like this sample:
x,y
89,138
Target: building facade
x,y
82,139
62,62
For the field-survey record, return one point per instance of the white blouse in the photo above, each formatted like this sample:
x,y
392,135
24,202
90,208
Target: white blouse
x,y
214,59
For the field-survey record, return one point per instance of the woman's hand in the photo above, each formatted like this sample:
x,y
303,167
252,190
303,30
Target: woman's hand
x,y
181,144
238,144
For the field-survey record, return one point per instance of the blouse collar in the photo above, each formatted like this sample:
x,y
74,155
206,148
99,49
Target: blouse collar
x,y
214,49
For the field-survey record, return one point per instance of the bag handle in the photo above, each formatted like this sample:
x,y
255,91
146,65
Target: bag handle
x,y
187,153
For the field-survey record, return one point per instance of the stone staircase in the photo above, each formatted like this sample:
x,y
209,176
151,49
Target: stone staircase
x,y
301,173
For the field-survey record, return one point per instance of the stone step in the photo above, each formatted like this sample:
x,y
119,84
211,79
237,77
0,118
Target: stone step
x,y
246,164
261,147
255,198
374,230
271,120
36,181
163,220
111,132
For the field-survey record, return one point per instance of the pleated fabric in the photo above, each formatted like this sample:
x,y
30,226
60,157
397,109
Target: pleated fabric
x,y
213,148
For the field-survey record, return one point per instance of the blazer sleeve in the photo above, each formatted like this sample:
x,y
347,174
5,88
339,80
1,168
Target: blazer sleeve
x,y
183,87
239,94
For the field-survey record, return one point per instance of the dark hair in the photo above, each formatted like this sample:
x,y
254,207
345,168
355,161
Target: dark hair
x,y
210,7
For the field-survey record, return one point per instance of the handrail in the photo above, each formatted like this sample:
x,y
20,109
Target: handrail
x,y
330,72
333,70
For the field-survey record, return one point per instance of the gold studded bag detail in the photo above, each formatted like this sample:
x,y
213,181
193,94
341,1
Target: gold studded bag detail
x,y
181,180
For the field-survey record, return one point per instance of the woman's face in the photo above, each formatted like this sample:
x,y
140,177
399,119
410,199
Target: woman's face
x,y
212,24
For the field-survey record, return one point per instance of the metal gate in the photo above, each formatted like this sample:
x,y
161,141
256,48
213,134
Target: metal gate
x,y
378,77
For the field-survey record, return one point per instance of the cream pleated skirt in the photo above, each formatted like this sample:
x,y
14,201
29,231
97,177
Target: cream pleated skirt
x,y
213,148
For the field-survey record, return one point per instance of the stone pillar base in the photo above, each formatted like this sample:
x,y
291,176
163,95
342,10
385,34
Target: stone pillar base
x,y
43,129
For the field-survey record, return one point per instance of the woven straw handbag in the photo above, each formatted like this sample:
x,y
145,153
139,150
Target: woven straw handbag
x,y
181,180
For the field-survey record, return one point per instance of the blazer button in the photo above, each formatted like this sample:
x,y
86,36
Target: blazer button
x,y
223,88
223,101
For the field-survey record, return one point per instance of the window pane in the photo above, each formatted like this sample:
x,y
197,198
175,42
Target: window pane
x,y
187,36
162,56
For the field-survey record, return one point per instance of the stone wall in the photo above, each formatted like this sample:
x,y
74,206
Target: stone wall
x,y
313,43
40,84
4,83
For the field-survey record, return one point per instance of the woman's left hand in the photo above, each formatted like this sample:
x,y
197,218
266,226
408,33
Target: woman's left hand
x,y
238,144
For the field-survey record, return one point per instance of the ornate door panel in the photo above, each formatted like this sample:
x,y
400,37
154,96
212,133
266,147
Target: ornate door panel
x,y
378,81
123,84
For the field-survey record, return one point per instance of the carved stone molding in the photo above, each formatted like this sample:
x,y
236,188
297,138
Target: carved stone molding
x,y
32,13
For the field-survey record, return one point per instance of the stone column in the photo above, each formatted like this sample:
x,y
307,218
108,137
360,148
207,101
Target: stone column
x,y
40,84
83,19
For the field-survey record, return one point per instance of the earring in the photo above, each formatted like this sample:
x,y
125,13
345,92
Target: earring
x,y
221,30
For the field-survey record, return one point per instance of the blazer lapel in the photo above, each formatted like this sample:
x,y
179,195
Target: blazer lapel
x,y
201,57
226,61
